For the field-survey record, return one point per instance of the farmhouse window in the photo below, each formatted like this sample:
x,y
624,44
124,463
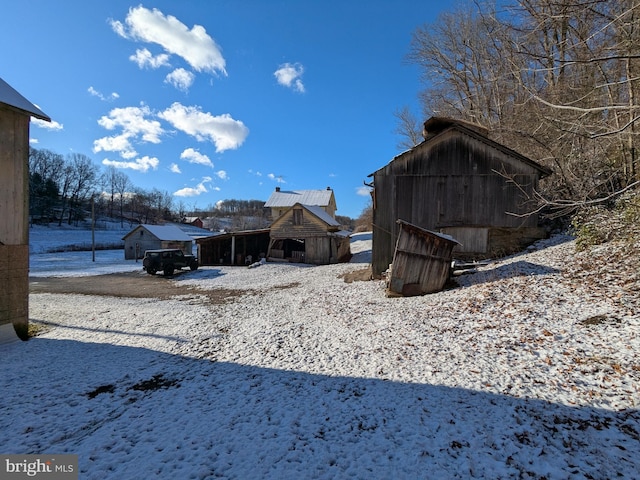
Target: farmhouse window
x,y
297,216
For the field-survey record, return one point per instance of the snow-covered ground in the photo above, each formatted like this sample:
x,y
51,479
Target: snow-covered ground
x,y
520,372
43,239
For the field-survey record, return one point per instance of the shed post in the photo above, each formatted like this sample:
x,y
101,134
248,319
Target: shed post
x,y
233,250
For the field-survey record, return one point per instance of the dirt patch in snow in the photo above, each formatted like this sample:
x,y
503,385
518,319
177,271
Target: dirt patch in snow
x,y
362,275
131,285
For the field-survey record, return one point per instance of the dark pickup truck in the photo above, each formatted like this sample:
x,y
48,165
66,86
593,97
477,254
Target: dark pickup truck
x,y
167,260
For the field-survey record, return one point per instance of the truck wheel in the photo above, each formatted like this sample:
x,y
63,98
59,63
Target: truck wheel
x,y
168,270
151,271
193,266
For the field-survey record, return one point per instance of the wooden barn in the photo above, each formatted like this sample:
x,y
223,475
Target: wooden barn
x,y
461,183
15,115
152,237
308,234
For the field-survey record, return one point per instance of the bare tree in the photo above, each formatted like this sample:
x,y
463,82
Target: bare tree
x,y
554,79
108,182
364,223
82,183
45,173
47,164
122,185
409,128
66,179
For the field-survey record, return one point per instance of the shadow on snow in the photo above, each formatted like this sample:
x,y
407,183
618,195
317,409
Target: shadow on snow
x,y
197,418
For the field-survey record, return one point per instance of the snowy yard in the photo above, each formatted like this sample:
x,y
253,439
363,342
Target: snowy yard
x,y
519,372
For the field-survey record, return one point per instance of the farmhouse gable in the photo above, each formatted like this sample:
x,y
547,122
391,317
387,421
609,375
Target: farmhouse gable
x,y
302,220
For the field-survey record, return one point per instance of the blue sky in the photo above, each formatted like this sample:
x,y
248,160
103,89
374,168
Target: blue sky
x,y
219,99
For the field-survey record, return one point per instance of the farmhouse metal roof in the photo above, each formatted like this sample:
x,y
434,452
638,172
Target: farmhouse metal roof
x,y
281,198
12,99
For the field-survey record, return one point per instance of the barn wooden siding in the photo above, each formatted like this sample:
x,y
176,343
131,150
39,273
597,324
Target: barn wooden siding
x,y
457,179
14,221
421,261
15,115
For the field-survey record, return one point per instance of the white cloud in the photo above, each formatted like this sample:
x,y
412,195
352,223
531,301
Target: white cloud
x,y
98,94
144,58
277,178
194,45
52,125
289,75
174,168
140,164
119,28
222,174
363,191
225,132
134,126
194,191
117,143
133,121
180,79
194,156
34,141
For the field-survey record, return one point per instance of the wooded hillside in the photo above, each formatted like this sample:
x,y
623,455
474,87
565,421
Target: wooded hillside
x,y
556,80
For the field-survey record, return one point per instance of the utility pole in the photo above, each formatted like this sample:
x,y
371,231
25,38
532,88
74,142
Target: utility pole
x,y
93,228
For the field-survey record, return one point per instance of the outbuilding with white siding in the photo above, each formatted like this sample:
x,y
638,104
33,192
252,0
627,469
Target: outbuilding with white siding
x,y
153,237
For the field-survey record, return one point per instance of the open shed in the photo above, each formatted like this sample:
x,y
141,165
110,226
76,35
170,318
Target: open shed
x,y
236,248
460,182
15,115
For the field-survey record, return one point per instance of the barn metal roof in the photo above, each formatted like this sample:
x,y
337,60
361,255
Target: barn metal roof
x,y
322,215
289,198
192,230
12,99
163,232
